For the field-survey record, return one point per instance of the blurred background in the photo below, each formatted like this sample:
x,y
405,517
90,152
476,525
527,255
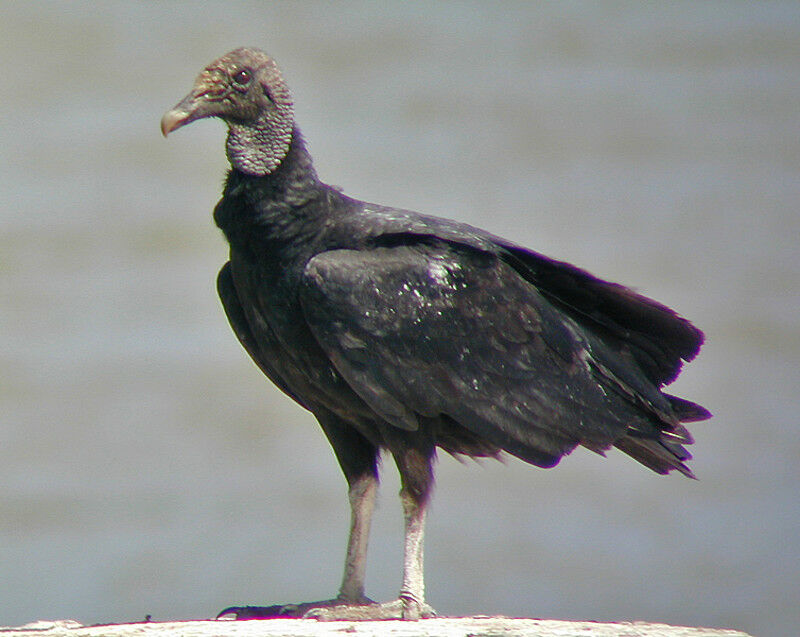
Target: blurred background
x,y
147,467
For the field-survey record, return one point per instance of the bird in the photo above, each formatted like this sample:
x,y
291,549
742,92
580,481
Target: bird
x,y
405,334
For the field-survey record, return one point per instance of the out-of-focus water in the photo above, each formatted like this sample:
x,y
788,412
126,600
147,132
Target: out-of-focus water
x,y
146,467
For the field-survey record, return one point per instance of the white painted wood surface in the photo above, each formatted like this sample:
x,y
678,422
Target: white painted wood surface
x,y
438,627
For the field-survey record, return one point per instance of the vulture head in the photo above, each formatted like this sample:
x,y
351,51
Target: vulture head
x,y
244,88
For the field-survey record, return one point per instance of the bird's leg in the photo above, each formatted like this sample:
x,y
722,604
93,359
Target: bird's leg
x,y
411,603
412,593
413,455
414,458
362,503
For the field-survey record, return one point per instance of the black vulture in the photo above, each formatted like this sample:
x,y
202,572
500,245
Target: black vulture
x,y
408,333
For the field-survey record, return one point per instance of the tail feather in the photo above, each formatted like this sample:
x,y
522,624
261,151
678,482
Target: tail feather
x,y
661,448
686,410
658,455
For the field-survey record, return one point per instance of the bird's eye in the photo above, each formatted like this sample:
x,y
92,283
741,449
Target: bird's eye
x,y
242,78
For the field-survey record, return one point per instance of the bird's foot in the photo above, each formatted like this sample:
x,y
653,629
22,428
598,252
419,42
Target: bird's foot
x,y
291,610
402,608
336,609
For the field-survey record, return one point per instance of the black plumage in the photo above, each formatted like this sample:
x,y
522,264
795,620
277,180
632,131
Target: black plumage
x,y
405,332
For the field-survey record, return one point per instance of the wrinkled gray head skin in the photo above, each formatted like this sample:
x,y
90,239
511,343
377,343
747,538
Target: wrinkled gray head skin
x,y
245,88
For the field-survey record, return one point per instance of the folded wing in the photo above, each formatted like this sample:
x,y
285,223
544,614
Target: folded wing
x,y
433,328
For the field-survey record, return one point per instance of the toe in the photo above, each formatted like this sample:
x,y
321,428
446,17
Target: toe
x,y
257,612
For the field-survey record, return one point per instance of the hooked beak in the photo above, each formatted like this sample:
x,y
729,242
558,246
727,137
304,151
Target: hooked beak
x,y
194,106
182,113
